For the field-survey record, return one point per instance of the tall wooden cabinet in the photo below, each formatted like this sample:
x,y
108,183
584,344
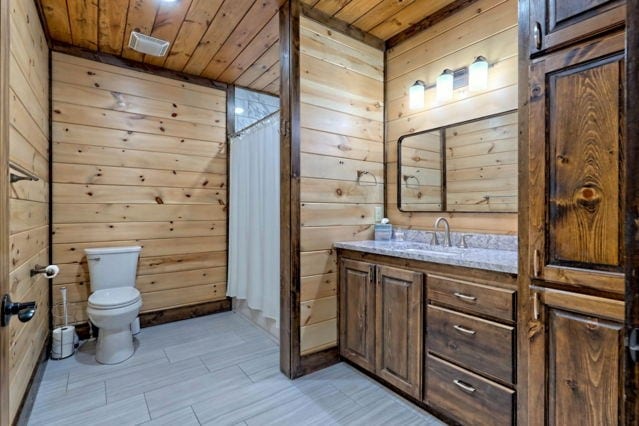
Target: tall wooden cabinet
x,y
574,231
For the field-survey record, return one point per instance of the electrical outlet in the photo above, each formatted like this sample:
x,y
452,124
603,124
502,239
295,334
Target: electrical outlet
x,y
379,214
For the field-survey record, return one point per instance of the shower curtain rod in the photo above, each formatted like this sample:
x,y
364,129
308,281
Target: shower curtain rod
x,y
239,132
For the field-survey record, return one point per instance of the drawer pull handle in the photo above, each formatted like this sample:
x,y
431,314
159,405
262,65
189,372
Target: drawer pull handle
x,y
464,386
465,297
464,330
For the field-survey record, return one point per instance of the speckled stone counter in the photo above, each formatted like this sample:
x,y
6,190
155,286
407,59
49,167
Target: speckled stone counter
x,y
480,258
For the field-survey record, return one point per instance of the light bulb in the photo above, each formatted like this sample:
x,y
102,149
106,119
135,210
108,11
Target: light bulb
x,y
478,74
416,95
445,85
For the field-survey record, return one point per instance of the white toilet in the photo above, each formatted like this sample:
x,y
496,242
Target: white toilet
x,y
115,302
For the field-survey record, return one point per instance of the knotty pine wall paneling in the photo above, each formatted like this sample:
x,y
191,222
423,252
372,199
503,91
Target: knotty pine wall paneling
x,y
487,28
29,200
139,159
342,165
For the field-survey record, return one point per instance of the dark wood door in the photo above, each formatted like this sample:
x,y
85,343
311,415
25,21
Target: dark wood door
x,y
399,328
576,365
357,313
632,212
556,23
575,145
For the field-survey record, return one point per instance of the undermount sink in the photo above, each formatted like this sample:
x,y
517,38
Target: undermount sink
x,y
431,252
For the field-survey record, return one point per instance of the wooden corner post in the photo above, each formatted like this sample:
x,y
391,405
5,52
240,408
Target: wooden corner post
x,y
290,188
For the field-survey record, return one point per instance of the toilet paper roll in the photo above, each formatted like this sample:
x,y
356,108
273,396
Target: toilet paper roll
x,y
63,342
51,271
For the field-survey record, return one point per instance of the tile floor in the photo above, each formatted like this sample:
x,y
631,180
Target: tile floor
x,y
217,370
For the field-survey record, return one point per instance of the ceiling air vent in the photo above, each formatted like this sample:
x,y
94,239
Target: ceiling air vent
x,y
147,44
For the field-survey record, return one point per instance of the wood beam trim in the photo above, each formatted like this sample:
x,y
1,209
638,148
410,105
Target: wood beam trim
x,y
117,61
4,204
341,26
428,22
290,278
631,158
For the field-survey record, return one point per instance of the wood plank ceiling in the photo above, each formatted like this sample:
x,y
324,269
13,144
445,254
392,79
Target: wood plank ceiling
x,y
232,41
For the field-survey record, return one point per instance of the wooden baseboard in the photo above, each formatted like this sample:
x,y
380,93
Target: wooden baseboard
x,y
148,319
184,312
317,361
26,406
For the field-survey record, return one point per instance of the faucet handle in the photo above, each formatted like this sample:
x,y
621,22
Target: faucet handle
x,y
434,241
463,243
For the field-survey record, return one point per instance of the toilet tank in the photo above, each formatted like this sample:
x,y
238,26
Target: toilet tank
x,y
111,267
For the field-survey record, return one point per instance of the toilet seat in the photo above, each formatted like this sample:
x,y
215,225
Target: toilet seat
x,y
113,298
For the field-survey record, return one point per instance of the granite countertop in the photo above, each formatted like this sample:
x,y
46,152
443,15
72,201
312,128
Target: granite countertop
x,y
480,258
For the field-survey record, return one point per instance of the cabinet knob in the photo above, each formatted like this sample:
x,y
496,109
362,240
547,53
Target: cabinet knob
x,y
537,35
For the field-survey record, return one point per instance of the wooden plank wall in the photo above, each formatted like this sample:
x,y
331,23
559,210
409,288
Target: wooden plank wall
x,y
29,202
488,28
139,159
481,165
341,139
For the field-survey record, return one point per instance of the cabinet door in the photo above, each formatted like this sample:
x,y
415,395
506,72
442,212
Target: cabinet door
x,y
555,23
576,360
357,313
575,146
399,328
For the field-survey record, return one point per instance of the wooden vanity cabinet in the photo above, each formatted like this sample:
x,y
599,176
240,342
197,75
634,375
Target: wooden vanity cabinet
x,y
556,23
381,322
430,332
357,313
399,328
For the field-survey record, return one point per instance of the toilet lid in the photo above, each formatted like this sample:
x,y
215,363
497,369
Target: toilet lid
x,y
114,297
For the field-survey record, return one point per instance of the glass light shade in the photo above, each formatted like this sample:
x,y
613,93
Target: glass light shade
x,y
416,95
478,74
445,85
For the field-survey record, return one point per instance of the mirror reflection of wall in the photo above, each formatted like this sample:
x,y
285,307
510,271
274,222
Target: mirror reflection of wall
x,y
478,172
420,178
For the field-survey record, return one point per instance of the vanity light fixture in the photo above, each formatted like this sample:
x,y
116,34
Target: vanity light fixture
x,y
478,74
416,95
445,83
239,110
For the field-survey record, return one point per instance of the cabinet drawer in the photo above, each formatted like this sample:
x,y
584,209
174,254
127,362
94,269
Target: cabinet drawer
x,y
467,397
478,344
477,298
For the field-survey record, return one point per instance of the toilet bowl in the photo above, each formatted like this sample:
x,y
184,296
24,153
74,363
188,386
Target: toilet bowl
x,y
115,302
113,311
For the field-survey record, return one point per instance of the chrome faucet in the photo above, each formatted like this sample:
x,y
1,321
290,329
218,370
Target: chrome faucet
x,y
447,242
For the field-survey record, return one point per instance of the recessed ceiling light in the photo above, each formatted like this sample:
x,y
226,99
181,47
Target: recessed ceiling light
x,y
239,110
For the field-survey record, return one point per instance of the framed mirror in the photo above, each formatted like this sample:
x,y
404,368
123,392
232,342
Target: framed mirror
x,y
465,167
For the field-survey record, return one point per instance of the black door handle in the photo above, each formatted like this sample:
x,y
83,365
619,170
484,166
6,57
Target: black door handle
x,y
24,311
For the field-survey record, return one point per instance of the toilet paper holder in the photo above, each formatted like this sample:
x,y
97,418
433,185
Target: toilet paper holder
x,y
50,271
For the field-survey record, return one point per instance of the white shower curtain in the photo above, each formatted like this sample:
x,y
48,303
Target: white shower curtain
x,y
254,217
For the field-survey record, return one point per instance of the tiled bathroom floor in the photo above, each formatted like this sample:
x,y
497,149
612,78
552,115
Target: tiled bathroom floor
x,y
218,370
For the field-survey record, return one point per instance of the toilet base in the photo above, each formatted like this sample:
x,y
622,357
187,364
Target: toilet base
x,y
114,346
